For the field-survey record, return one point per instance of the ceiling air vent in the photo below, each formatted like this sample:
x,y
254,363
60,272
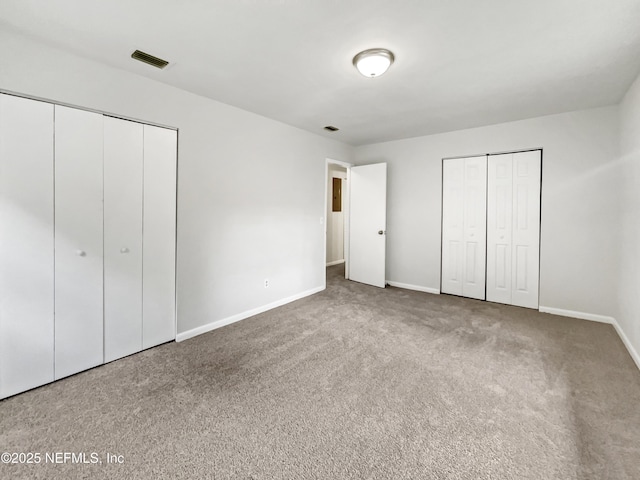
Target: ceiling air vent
x,y
331,128
150,59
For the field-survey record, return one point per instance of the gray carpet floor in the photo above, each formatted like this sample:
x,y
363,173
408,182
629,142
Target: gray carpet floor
x,y
352,383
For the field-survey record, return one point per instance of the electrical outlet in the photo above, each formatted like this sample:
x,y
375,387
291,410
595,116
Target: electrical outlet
x,y
266,283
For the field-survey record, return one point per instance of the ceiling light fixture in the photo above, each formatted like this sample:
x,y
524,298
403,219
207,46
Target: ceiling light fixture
x,y
373,62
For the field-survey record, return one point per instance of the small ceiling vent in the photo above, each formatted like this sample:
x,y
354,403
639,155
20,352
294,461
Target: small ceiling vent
x,y
331,128
150,59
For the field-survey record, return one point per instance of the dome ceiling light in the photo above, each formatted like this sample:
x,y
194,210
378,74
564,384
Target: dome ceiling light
x,y
373,62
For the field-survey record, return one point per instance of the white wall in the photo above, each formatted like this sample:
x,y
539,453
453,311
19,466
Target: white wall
x,y
251,192
578,243
250,189
335,220
629,233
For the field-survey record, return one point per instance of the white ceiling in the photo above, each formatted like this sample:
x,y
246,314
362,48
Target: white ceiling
x,y
459,63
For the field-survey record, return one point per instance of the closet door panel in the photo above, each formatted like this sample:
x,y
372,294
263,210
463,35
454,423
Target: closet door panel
x,y
158,318
26,244
78,240
123,164
475,225
452,225
499,226
526,228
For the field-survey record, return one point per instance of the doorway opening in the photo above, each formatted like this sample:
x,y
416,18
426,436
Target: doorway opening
x,y
337,216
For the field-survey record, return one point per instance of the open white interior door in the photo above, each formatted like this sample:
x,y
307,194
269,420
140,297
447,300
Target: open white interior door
x,y
368,219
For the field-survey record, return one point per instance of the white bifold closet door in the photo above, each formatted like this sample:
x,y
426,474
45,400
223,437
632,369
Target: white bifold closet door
x,y
464,183
513,228
159,236
26,244
123,194
78,240
87,240
139,236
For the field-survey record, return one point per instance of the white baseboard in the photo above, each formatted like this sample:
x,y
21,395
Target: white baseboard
x,y
581,315
598,318
336,262
627,343
435,291
241,316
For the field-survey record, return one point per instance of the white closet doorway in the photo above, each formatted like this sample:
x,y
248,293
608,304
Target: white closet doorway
x,y
87,243
464,222
513,228
491,227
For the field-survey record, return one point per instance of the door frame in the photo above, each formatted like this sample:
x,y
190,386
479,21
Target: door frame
x,y
346,199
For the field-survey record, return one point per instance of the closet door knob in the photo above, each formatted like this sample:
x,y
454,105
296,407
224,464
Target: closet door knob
x,y
81,253
124,250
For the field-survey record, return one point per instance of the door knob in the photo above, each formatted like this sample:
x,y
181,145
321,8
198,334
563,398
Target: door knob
x,y
81,253
380,232
124,250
